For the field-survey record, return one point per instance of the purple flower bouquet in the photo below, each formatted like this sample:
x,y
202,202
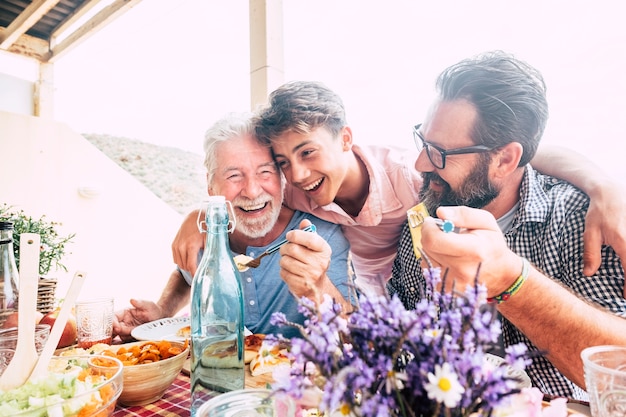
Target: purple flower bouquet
x,y
384,360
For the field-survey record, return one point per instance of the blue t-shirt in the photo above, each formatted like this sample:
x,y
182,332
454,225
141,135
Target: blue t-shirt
x,y
264,290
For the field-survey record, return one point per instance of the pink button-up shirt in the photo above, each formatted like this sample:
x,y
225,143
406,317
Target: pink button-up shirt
x,y
375,232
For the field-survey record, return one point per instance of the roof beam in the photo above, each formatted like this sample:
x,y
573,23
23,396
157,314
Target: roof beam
x,y
25,21
97,22
29,46
79,12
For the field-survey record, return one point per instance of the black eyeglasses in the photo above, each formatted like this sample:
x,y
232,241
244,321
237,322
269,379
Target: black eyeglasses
x,y
437,155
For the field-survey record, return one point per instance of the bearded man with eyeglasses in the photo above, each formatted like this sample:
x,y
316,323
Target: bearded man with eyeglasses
x,y
475,146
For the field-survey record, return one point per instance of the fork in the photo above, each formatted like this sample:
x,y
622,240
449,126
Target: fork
x,y
256,262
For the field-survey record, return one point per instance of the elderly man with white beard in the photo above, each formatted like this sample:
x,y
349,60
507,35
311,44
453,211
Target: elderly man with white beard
x,y
243,170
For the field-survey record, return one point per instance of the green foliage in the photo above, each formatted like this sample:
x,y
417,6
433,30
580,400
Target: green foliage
x,y
52,245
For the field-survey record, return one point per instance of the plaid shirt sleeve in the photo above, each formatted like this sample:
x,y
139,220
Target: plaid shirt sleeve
x,y
548,231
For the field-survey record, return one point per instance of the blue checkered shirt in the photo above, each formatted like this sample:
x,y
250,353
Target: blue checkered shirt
x,y
548,231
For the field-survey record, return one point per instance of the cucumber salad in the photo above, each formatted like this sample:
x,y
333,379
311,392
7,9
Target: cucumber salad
x,y
69,389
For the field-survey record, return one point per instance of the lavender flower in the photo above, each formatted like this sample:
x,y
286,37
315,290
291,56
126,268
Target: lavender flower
x,y
384,360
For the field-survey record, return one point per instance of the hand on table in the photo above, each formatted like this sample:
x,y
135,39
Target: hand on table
x,y
126,320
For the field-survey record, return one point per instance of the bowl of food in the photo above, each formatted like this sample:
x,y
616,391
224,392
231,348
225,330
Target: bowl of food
x,y
150,367
8,337
74,386
6,355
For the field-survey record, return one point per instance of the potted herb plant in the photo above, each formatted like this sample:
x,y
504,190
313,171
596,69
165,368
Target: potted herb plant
x,y
51,253
52,244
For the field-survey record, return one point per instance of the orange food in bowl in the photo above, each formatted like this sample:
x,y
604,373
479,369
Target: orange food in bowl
x,y
149,369
146,352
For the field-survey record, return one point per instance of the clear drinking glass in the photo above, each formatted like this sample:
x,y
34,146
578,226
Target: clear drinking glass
x,y
605,377
94,322
249,403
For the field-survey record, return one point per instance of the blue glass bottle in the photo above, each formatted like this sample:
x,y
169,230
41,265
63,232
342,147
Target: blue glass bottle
x,y
217,324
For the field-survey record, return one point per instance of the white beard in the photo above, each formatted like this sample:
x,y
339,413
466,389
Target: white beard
x,y
258,227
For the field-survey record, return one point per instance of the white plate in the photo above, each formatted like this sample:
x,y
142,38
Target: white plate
x,y
164,329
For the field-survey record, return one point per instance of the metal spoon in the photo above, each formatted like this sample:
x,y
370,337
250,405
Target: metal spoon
x,y
256,262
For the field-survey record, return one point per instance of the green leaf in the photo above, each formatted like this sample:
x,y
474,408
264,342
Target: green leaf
x,y
52,245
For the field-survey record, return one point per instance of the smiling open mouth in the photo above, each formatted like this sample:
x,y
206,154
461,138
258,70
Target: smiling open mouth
x,y
252,209
314,186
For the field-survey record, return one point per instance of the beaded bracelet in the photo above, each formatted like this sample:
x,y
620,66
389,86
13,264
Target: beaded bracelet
x,y
513,289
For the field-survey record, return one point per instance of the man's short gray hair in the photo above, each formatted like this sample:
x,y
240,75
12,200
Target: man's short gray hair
x,y
232,125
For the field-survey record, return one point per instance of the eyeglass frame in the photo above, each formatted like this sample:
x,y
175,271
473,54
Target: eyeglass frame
x,y
444,152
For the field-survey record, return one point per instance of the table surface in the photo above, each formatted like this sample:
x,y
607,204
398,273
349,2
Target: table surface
x,y
175,402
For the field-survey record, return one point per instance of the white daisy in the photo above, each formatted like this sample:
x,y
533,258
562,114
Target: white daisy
x,y
443,386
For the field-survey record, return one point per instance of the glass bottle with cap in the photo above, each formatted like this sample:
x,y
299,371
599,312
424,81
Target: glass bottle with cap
x,y
217,322
9,278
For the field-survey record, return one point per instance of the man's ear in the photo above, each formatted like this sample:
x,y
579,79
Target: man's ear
x,y
346,138
208,187
507,158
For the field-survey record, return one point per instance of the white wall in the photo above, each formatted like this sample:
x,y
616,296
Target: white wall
x,y
16,94
123,234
